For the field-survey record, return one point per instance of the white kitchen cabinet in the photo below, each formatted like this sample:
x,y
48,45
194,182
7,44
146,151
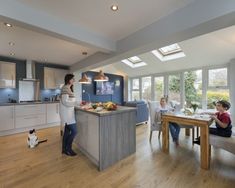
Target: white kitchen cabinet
x,y
59,77
49,78
30,115
7,75
54,78
6,118
53,115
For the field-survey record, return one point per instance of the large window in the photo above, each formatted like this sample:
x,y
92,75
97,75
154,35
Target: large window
x,y
146,88
158,88
193,87
217,86
174,88
205,86
135,90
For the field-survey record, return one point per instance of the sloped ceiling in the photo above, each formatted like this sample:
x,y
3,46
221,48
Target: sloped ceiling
x,y
214,48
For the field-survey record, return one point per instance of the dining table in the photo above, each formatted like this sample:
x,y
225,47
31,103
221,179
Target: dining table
x,y
197,120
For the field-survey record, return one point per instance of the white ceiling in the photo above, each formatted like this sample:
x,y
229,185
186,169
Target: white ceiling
x,y
60,30
36,46
214,48
89,15
96,16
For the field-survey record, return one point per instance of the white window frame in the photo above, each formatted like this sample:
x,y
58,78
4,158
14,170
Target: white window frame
x,y
205,80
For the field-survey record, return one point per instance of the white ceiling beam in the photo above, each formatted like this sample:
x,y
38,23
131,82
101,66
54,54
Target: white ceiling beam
x,y
33,19
198,18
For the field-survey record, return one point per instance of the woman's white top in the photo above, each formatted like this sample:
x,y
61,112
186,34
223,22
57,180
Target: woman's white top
x,y
164,109
67,104
159,111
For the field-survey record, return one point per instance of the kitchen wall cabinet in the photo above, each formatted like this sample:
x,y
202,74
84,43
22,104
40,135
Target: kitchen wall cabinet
x,y
30,115
53,77
53,115
7,75
6,117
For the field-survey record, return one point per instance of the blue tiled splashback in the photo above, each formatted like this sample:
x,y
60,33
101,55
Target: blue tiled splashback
x,y
6,93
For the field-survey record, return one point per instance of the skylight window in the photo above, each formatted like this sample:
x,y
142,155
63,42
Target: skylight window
x,y
134,59
171,49
170,52
134,62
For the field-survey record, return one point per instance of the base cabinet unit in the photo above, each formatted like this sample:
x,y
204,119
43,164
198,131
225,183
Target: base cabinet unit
x,y
53,115
30,115
23,117
6,118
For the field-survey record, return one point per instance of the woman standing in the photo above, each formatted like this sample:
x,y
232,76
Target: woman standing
x,y
67,104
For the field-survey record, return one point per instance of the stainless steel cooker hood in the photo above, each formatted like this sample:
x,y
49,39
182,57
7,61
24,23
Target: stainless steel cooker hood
x,y
30,71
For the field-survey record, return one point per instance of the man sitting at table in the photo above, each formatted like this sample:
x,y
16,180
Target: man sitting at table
x,y
222,121
174,127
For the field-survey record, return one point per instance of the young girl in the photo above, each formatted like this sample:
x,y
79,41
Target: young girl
x,y
174,127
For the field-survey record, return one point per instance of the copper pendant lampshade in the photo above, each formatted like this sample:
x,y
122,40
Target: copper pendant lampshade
x,y
84,79
100,77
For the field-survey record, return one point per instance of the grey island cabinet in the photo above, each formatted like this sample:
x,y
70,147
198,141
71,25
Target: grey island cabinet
x,y
108,136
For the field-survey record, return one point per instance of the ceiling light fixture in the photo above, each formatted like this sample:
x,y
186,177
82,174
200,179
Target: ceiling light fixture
x,y
114,7
100,77
11,43
7,24
12,54
84,79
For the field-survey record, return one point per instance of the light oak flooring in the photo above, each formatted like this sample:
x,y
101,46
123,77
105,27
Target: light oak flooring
x,y
45,166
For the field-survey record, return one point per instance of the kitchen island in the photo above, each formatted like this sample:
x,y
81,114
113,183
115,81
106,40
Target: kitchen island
x,y
106,137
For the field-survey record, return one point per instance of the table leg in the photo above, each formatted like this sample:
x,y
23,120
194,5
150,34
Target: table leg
x,y
165,136
204,139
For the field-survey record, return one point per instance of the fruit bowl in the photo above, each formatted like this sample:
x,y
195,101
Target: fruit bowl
x,y
110,106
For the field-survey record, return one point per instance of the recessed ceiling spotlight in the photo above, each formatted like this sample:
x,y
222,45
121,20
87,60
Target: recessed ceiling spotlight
x,y
114,7
7,24
11,43
12,54
84,53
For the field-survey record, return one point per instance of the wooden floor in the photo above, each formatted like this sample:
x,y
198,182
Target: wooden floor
x,y
45,166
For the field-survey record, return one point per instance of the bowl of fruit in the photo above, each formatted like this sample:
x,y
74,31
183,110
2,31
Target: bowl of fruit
x,y
110,106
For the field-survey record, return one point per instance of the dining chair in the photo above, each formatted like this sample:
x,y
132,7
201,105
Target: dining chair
x,y
155,125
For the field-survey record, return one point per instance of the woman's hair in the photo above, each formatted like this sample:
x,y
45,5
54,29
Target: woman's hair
x,y
225,104
163,98
67,78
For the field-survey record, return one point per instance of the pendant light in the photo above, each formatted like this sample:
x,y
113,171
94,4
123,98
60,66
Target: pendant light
x,y
84,79
100,77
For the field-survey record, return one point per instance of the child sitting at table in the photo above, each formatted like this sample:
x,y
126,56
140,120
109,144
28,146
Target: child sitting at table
x,y
174,127
222,121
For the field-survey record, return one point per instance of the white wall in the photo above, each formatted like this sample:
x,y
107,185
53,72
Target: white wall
x,y
231,79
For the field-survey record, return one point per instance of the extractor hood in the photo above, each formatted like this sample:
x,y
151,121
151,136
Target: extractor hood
x,y
30,71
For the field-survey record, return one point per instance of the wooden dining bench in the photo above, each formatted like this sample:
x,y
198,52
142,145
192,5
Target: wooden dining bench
x,y
223,142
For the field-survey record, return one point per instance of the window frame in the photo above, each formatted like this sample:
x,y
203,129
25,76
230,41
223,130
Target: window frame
x,y
165,75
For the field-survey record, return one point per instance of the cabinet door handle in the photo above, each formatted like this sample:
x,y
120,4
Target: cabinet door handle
x,y
31,106
35,117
